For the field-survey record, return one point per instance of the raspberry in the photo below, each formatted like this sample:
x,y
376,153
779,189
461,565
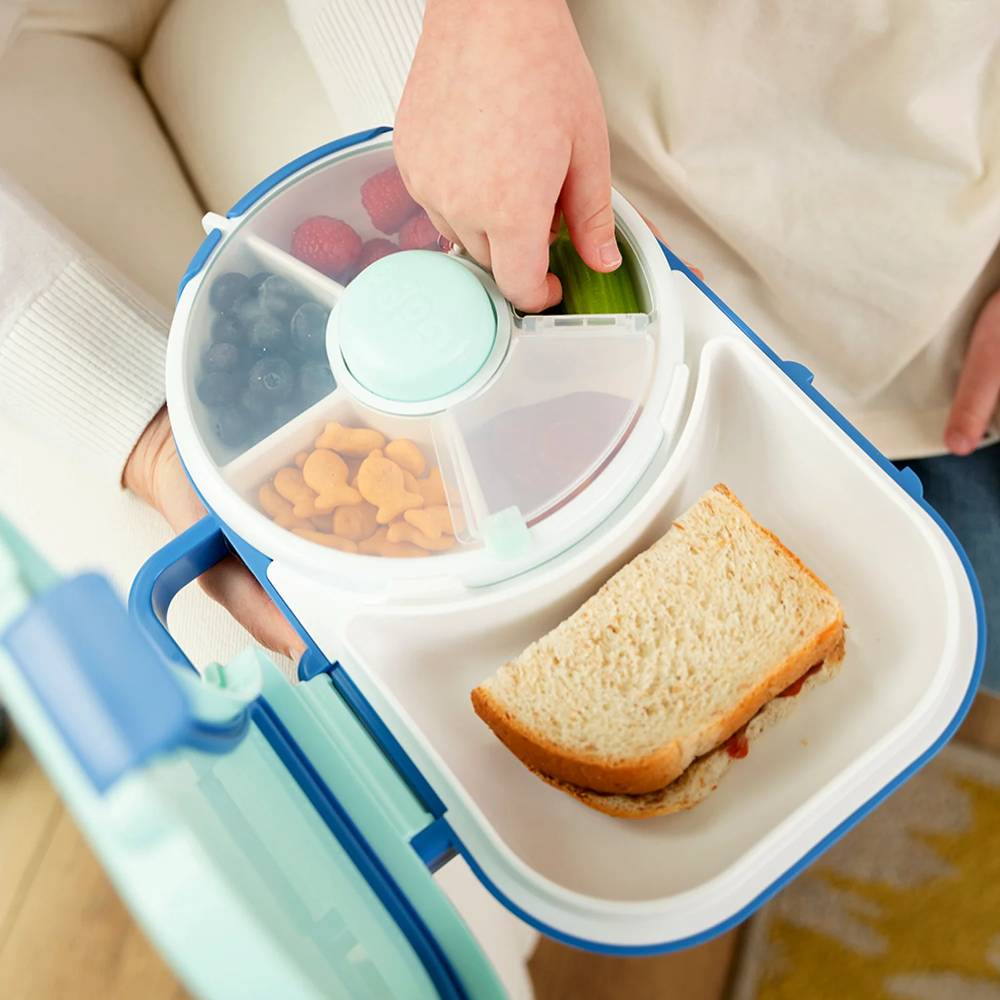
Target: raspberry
x,y
329,245
387,201
374,250
418,233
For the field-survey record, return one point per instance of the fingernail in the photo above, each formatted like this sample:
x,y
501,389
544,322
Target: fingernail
x,y
957,442
610,255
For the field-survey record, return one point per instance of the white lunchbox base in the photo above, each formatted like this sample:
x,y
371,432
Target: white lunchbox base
x,y
910,661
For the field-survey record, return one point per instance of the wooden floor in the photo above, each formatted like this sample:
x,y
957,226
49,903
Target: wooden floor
x,y
64,935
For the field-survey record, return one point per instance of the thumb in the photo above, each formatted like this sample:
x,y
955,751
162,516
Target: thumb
x,y
586,204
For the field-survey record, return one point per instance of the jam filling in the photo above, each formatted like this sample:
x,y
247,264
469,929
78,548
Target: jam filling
x,y
796,686
738,746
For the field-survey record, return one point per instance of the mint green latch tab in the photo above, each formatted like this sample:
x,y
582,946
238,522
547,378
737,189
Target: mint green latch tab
x,y
505,533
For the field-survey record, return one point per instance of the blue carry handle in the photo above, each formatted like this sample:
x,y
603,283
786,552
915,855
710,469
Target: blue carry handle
x,y
165,574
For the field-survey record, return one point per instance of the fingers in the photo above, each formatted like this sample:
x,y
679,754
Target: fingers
x,y
586,203
978,384
521,265
441,226
234,587
556,225
476,244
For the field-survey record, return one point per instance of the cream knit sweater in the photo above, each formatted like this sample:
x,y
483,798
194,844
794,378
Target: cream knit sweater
x,y
835,171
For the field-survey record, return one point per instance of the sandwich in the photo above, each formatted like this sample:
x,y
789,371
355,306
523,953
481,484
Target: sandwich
x,y
639,702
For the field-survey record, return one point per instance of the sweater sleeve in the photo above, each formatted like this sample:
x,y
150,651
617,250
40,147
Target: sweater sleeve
x,y
361,53
81,350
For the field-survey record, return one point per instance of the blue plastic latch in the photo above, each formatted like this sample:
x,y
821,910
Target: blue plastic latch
x,y
312,664
798,373
113,701
434,844
910,482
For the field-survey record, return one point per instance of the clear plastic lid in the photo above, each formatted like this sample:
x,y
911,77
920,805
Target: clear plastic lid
x,y
365,385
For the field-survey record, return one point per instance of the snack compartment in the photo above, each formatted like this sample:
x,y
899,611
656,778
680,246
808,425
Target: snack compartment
x,y
255,355
551,420
340,426
342,214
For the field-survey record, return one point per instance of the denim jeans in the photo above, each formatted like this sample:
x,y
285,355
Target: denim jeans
x,y
966,493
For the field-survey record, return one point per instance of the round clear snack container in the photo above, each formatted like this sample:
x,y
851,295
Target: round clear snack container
x,y
533,427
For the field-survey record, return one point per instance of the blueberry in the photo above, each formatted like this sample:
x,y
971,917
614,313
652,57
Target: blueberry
x,y
267,335
309,329
278,296
233,426
218,388
247,312
221,357
228,289
225,328
258,279
315,381
275,377
256,401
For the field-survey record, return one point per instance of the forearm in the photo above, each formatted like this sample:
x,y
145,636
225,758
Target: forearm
x,y
81,350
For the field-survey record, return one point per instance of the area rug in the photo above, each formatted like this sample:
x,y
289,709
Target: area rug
x,y
905,907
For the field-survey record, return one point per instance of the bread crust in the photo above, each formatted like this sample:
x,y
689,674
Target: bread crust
x,y
665,765
703,775
645,773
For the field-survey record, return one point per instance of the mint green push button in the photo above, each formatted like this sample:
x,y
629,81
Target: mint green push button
x,y
415,325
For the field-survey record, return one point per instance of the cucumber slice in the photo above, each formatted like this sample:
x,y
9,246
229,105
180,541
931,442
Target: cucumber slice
x,y
591,292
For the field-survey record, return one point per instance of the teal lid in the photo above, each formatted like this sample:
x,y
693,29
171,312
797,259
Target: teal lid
x,y
415,326
225,857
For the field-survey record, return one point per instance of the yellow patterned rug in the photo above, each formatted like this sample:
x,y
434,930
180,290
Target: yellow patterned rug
x,y
905,907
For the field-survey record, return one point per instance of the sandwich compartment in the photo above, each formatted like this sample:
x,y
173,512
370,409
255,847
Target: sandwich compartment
x,y
397,645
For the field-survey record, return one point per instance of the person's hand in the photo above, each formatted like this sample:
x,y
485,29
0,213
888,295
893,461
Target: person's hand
x,y
499,129
979,383
154,473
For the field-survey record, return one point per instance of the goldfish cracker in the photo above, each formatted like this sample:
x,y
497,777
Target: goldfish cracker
x,y
356,522
330,541
323,466
278,508
431,488
381,482
340,495
322,522
379,545
407,455
432,521
400,531
290,484
357,441
300,458
325,472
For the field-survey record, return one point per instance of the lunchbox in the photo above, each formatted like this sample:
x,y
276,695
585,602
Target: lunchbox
x,y
307,819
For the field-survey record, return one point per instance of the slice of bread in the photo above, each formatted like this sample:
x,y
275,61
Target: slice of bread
x,y
705,773
677,651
